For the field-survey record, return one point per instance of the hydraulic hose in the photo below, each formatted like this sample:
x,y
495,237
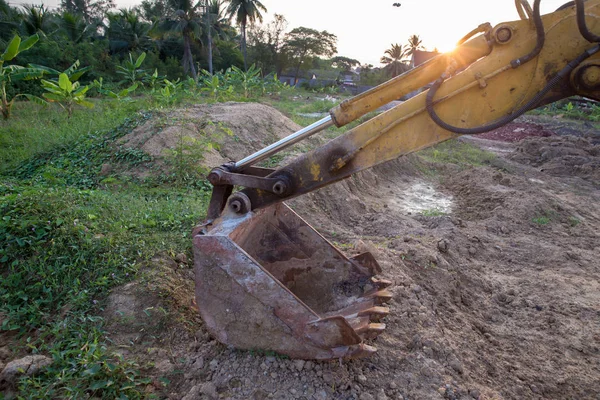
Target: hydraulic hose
x,y
566,5
583,29
541,36
522,110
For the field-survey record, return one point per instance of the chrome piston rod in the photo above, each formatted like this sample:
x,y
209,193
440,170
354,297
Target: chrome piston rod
x,y
285,142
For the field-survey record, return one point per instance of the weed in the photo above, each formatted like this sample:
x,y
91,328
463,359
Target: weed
x,y
272,161
65,242
191,149
432,212
541,220
573,221
320,106
572,109
77,164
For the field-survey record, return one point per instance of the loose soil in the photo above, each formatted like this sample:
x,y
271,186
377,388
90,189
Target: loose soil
x,y
496,294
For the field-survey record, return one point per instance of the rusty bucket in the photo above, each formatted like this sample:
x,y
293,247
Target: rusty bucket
x,y
266,280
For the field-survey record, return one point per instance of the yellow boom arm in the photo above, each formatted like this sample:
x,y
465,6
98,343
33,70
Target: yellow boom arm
x,y
493,77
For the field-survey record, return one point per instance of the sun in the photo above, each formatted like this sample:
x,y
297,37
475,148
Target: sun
x,y
444,45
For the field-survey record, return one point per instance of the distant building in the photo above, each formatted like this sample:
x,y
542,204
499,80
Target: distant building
x,y
420,56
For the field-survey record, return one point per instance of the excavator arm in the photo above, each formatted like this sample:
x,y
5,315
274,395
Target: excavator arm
x,y
265,279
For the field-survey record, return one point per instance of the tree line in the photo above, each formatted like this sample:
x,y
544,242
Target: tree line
x,y
179,36
182,37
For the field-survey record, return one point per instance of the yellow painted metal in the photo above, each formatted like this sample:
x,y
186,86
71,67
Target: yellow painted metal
x,y
351,109
586,79
486,91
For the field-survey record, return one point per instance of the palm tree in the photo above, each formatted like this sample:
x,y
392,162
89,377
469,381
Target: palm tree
x,y
187,21
414,44
74,27
394,65
214,26
9,21
128,32
36,19
245,11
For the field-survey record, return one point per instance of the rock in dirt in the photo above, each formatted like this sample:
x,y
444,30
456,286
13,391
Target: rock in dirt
x,y
443,245
198,364
299,364
181,258
209,389
164,367
27,366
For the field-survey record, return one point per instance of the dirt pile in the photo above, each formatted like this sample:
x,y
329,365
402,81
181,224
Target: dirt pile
x,y
495,294
207,134
516,131
562,156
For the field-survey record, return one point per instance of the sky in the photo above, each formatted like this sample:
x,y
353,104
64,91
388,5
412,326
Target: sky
x,y
365,29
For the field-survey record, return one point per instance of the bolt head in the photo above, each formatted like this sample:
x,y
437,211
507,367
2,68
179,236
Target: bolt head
x,y
236,206
279,188
591,76
503,35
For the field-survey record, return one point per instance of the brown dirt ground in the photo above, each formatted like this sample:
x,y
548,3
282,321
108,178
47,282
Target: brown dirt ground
x,y
497,297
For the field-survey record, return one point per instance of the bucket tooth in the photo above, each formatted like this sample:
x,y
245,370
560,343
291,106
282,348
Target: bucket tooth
x,y
381,283
266,280
353,310
380,296
375,313
372,330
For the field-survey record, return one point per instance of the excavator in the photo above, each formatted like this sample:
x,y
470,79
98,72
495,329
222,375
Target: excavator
x,y
266,280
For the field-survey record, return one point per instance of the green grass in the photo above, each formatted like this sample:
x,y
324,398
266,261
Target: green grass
x,y
33,129
317,106
570,109
67,236
541,220
573,221
458,153
434,212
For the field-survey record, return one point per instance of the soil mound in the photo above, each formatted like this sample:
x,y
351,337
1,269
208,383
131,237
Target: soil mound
x,y
210,134
516,131
562,156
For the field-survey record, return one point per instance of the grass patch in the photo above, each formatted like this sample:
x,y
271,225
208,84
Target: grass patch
x,y
34,129
317,106
541,220
573,221
458,153
574,108
433,212
66,240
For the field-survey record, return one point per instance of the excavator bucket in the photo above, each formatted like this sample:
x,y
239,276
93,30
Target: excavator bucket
x,y
266,280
